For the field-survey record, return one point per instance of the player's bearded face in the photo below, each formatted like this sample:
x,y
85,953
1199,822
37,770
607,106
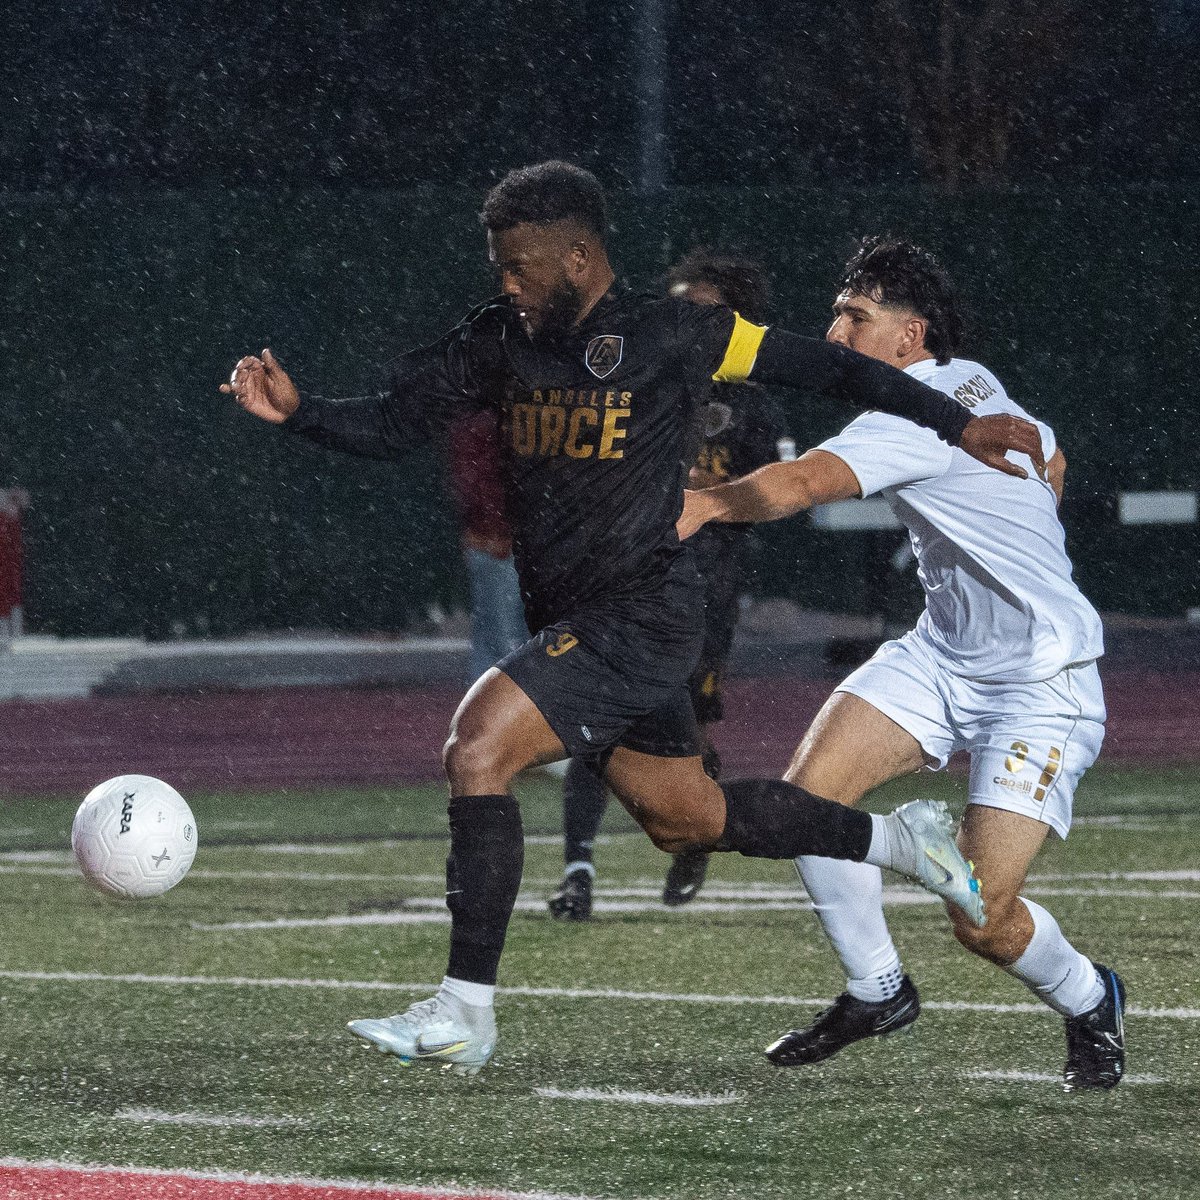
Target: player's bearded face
x,y
532,264
557,312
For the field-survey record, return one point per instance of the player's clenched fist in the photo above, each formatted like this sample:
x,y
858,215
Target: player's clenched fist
x,y
262,387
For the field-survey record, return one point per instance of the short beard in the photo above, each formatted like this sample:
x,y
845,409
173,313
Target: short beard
x,y
560,312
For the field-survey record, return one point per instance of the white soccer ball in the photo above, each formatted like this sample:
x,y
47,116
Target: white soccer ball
x,y
134,836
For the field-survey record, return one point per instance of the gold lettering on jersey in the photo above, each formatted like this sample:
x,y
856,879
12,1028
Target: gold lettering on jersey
x,y
524,429
565,642
574,447
577,422
612,432
974,392
554,425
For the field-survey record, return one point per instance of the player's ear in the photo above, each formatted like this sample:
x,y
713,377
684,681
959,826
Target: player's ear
x,y
914,335
579,257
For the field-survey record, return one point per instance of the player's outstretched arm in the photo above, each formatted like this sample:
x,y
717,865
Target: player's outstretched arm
x,y
770,493
865,383
262,387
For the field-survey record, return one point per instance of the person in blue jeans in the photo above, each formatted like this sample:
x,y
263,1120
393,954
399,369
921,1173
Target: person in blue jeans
x,y
497,614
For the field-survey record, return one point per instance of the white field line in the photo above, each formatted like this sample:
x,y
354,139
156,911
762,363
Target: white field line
x,y
766,897
328,1188
1040,1077
153,1115
431,910
676,1099
544,993
633,887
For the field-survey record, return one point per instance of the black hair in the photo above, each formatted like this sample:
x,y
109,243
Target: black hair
x,y
547,192
740,282
892,271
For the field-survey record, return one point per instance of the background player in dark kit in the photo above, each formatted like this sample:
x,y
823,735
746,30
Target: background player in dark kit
x,y
742,428
598,390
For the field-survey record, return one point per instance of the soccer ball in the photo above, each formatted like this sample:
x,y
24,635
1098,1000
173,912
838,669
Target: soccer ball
x,y
134,836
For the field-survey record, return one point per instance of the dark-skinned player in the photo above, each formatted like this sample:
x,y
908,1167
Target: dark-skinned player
x,y
597,390
741,429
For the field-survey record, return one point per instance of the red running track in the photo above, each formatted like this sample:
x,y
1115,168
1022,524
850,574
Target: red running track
x,y
55,1182
295,737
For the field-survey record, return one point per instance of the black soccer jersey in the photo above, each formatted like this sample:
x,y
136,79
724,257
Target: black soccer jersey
x,y
597,426
595,429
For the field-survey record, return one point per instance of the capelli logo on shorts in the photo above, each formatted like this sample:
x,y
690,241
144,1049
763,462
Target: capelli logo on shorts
x,y
565,642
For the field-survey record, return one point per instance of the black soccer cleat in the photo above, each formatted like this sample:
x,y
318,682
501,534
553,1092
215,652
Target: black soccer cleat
x,y
685,877
847,1021
1096,1040
573,900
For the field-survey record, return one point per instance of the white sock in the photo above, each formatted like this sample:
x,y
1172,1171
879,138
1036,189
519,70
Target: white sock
x,y
1054,970
880,851
580,865
848,900
479,995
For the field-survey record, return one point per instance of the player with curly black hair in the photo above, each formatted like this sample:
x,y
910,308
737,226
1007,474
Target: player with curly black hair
x,y
597,391
1002,664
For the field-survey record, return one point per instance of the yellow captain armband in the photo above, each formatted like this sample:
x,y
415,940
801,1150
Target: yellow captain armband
x,y
741,352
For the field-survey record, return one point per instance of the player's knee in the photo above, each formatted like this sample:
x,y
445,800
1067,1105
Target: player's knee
x,y
676,833
1002,939
475,763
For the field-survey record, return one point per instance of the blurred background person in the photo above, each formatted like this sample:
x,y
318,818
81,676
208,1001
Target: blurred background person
x,y
497,616
743,429
13,502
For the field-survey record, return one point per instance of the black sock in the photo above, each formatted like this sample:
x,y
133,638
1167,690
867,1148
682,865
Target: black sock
x,y
585,797
768,818
483,874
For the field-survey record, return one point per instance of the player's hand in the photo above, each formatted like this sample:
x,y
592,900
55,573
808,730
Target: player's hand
x,y
990,438
698,510
262,387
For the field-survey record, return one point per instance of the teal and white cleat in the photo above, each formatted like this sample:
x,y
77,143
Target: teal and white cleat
x,y
923,848
441,1029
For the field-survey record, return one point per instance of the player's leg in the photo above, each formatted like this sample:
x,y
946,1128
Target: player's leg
x,y
682,809
851,748
689,868
585,797
721,567
496,732
1021,787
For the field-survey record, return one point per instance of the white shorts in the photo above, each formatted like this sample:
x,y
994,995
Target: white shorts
x,y
1029,743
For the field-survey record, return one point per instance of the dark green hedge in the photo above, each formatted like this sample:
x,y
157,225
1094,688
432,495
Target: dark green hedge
x,y
157,503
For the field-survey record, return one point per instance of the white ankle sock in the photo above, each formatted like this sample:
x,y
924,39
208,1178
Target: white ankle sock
x,y
848,900
579,865
1054,970
479,995
880,851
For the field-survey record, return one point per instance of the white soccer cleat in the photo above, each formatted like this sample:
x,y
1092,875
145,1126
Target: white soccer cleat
x,y
441,1029
923,848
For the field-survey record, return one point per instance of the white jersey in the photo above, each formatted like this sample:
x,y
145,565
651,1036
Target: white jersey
x,y
1000,603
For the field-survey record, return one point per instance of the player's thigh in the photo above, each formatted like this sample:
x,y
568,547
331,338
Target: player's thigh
x,y
672,798
496,732
850,748
1030,744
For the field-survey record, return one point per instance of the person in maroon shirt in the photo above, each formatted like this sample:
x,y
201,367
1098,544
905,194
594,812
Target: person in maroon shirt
x,y
13,501
497,615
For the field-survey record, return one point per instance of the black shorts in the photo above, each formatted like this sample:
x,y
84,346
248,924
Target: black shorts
x,y
616,674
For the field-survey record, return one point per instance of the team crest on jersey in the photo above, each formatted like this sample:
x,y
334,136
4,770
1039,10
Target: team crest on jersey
x,y
603,355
